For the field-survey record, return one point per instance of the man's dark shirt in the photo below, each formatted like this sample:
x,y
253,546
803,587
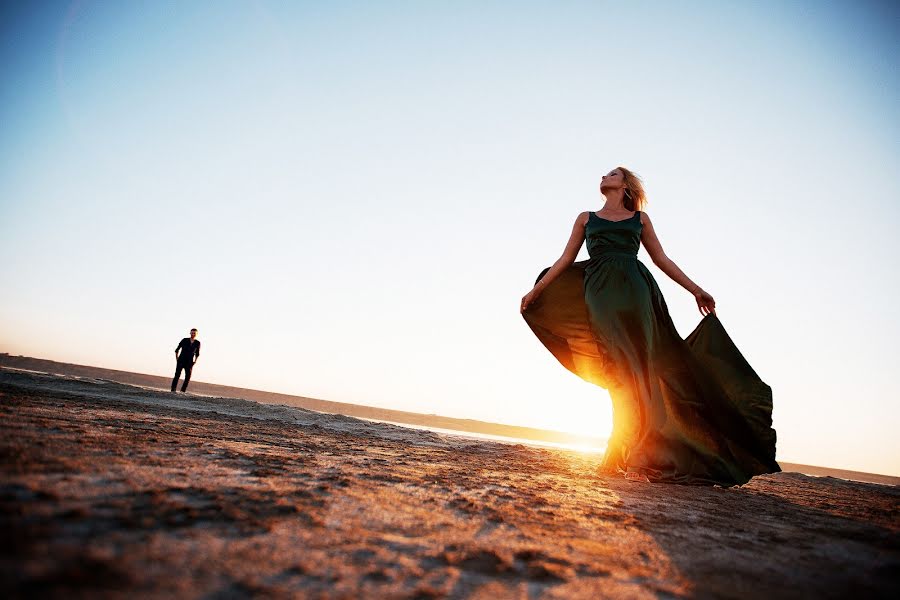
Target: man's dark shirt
x,y
189,350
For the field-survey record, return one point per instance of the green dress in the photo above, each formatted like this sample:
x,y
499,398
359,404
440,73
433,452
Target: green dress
x,y
684,411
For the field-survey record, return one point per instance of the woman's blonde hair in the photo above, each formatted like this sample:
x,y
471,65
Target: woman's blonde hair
x,y
635,198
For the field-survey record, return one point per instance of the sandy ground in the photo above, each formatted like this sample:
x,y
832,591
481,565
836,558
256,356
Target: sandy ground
x,y
110,490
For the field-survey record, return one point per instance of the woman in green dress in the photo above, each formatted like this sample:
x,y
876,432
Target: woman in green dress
x,y
688,411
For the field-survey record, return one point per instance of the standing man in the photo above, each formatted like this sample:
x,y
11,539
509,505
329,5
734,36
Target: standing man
x,y
190,352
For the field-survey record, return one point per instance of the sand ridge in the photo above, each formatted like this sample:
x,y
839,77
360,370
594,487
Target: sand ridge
x,y
110,490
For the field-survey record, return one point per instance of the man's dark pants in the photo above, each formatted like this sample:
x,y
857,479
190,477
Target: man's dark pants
x,y
187,375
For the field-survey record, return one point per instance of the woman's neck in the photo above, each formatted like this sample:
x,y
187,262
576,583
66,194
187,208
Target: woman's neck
x,y
614,201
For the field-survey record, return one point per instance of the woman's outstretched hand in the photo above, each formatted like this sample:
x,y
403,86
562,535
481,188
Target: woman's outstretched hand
x,y
705,302
528,299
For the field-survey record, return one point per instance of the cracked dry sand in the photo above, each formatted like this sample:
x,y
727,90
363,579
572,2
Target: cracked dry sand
x,y
110,490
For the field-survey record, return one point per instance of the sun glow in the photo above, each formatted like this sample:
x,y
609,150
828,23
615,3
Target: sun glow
x,y
587,449
583,411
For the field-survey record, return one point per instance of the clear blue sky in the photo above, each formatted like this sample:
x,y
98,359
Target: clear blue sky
x,y
349,199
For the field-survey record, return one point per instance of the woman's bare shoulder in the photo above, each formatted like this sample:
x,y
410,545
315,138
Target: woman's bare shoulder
x,y
583,217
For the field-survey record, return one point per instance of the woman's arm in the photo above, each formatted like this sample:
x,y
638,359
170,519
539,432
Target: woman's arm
x,y
705,302
576,239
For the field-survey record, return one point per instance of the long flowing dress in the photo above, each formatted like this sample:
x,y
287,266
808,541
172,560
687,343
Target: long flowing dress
x,y
689,411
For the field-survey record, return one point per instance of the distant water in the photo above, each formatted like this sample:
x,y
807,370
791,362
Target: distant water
x,y
496,438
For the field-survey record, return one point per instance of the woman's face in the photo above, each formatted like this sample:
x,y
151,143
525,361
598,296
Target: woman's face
x,y
613,180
